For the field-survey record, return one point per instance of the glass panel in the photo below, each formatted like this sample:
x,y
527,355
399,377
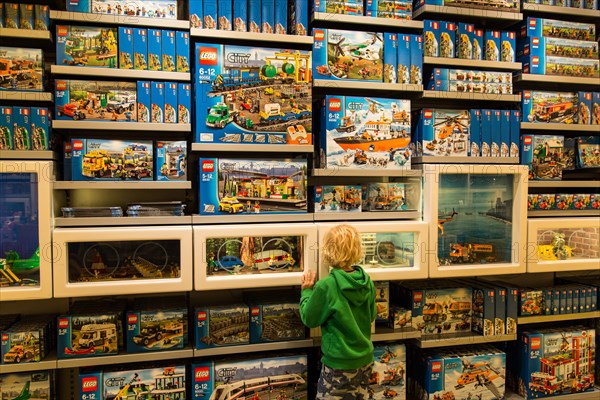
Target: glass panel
x,y
254,255
388,249
123,260
19,234
475,218
567,244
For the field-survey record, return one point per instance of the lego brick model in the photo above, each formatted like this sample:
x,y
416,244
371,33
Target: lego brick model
x,y
298,17
86,46
154,49
21,128
40,128
182,50
171,161
139,8
386,250
285,377
588,152
222,326
365,133
346,198
275,322
6,128
126,48
184,103
552,107
544,156
254,16
140,48
388,379
22,69
42,17
94,334
538,27
25,384
445,132
26,16
253,95
348,55
95,100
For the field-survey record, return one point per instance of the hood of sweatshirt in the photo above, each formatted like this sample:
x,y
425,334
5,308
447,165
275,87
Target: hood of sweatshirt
x,y
354,285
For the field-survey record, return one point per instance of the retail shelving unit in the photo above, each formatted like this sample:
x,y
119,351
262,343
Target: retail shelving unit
x,y
366,86
478,64
48,363
211,34
13,95
504,17
114,19
460,339
574,129
539,319
553,80
119,73
121,221
381,24
125,358
27,155
466,160
252,348
250,218
24,34
120,126
262,148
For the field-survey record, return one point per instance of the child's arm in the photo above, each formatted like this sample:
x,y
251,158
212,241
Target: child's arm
x,y
373,303
314,302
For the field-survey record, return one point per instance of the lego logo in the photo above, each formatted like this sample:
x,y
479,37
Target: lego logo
x,y
428,114
527,95
435,25
202,374
63,322
146,85
511,35
43,112
128,31
535,60
588,96
185,35
319,189
497,112
68,147
418,296
335,105
496,34
319,35
24,111
478,32
436,366
4,338
142,32
527,140
532,22
61,85
156,32
536,41
393,37
470,28
7,111
208,56
419,39
132,319
208,166
535,343
255,311
171,34
202,316
89,384
172,86
62,31
160,85
450,27
506,113
186,87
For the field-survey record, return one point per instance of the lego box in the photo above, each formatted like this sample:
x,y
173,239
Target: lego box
x,y
252,95
365,133
125,48
464,37
388,379
171,161
6,128
157,98
24,384
184,103
553,107
298,17
26,16
196,15
169,53
275,322
182,49
224,15
538,27
583,116
11,15
40,128
445,132
431,38
543,155
144,102
154,49
209,10
447,39
22,69
171,107
89,335
162,329
403,69
86,46
139,8
222,326
140,48
390,57
254,15
21,128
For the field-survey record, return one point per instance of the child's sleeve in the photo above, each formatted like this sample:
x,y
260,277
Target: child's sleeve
x,y
373,305
314,306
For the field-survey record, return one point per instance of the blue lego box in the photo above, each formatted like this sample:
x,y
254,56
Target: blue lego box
x,y
278,114
171,161
11,15
338,198
478,45
182,49
390,57
99,159
531,302
416,60
139,8
484,300
281,17
24,384
196,13
21,128
348,7
168,51
42,17
298,17
464,38
88,335
267,16
357,56
583,116
225,15
389,371
560,66
40,128
515,132
254,16
1,15
362,133
553,107
588,151
285,195
508,46
447,39
512,309
581,201
156,330
538,27
487,122
596,108
475,136
500,313
184,103
275,322
496,133
382,302
143,101
209,10
431,38
154,50
240,15
86,46
26,16
171,106
222,326
439,138
140,48
535,47
492,41
157,98
563,201
126,55
403,58
6,128
505,134
543,155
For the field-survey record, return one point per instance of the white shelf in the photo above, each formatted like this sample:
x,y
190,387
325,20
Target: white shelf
x,y
388,87
367,216
126,358
459,339
15,95
120,126
250,218
121,221
112,19
464,160
560,80
460,62
367,21
358,172
384,334
72,185
563,213
574,128
537,319
561,11
265,148
251,348
469,12
120,73
48,363
24,34
251,36
27,155
443,95
564,184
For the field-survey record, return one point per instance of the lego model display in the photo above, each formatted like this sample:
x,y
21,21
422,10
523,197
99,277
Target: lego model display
x,y
275,322
365,133
171,161
96,100
25,385
21,69
282,377
544,156
130,8
466,203
237,186
222,326
253,95
568,244
388,249
388,380
498,5
444,132
86,46
167,382
348,55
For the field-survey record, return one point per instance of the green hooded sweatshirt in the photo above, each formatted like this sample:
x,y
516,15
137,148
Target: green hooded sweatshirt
x,y
343,305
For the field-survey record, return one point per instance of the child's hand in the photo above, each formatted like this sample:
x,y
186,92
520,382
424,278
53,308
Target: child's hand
x,y
308,279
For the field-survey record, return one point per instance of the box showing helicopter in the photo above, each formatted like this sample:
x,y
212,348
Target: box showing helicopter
x,y
543,154
253,95
23,385
133,8
365,133
348,55
22,69
444,132
86,46
388,379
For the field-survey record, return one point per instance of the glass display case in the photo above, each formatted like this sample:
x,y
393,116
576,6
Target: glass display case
x,y
274,255
392,250
127,260
25,232
563,244
476,216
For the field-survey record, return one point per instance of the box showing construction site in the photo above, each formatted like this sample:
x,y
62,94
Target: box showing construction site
x,y
253,95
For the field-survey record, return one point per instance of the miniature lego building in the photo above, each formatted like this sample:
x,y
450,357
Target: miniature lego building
x,y
222,326
86,46
21,69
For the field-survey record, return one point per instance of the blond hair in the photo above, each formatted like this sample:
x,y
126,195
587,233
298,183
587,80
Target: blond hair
x,y
342,247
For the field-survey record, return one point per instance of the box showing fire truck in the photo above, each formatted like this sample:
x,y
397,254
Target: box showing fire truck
x,y
21,69
556,362
132,8
96,100
253,95
365,133
550,107
543,154
388,379
86,46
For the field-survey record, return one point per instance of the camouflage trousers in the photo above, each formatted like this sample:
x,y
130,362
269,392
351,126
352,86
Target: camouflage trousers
x,y
338,384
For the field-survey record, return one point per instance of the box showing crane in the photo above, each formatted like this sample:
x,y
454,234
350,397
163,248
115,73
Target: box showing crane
x,y
21,69
253,95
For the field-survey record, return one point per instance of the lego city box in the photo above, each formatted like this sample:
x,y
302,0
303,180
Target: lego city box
x,y
184,103
182,51
21,128
253,95
42,17
95,100
40,128
133,8
245,186
275,322
156,328
543,154
298,17
343,198
552,107
596,108
222,325
348,55
169,50
22,69
365,133
445,132
154,50
6,128
11,15
26,16
88,335
86,46
560,66
538,27
23,344
502,5
24,385
588,152
126,47
583,116
171,161
388,379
